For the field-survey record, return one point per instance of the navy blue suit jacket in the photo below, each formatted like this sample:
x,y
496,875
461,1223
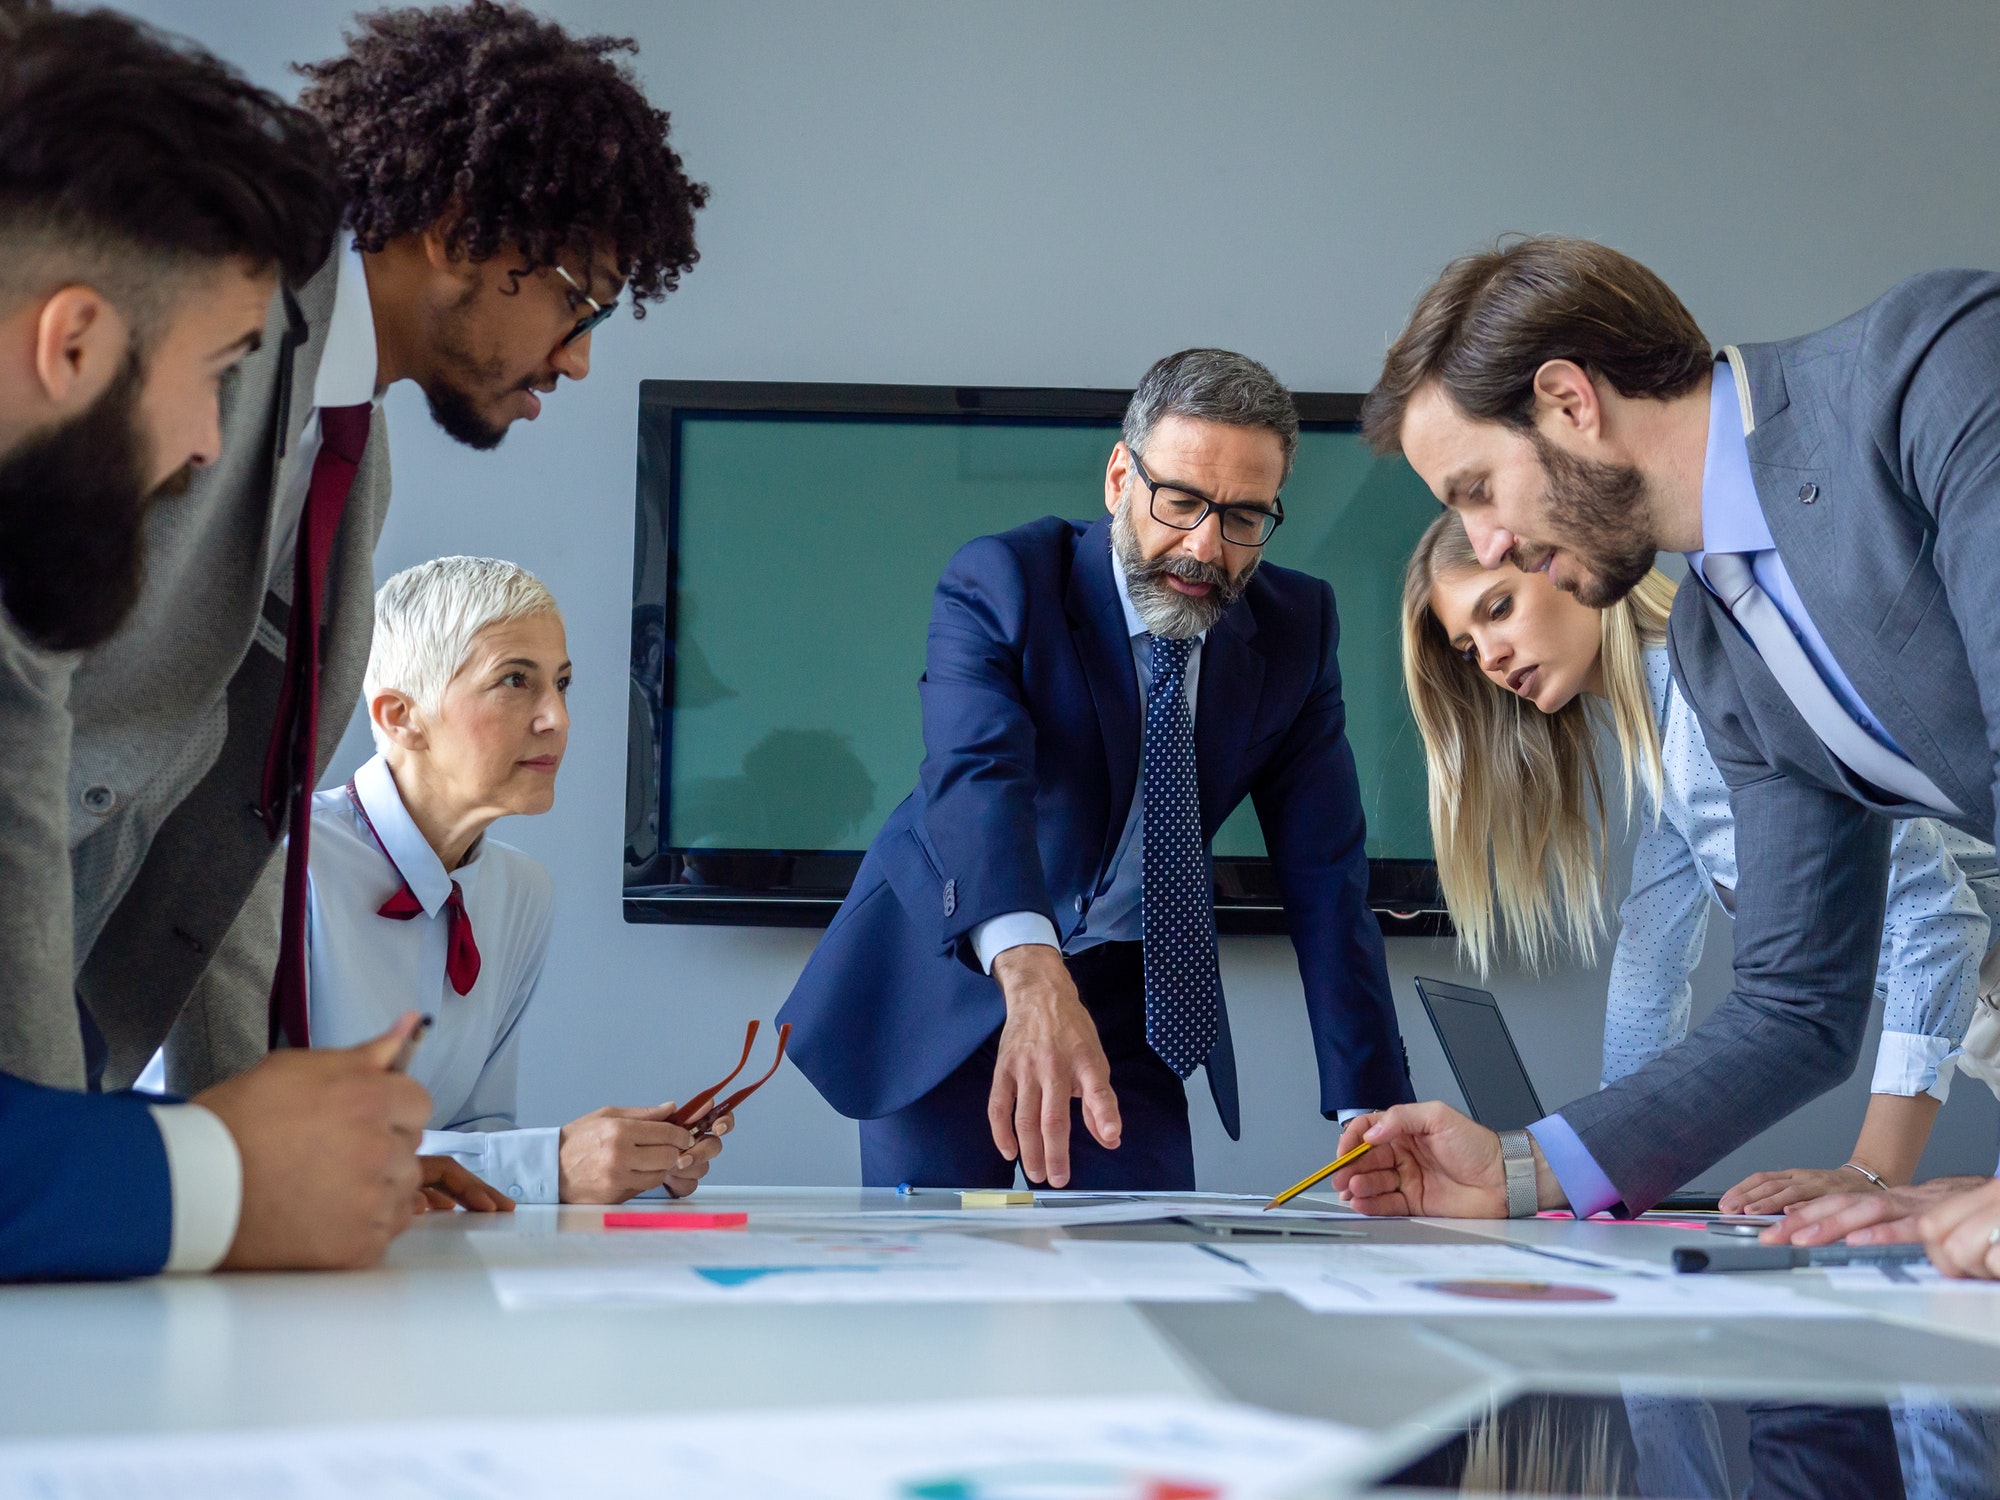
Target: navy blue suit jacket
x,y
1032,740
84,1192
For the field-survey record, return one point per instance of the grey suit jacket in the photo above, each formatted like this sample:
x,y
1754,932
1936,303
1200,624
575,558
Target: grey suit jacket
x,y
152,746
1876,455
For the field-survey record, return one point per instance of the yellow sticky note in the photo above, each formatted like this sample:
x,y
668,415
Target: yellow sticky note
x,y
994,1198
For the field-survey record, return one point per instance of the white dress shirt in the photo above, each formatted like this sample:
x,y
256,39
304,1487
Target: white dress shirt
x,y
205,1182
1117,910
364,970
346,377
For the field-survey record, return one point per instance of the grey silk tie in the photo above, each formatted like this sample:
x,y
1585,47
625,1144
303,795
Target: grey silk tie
x,y
1730,576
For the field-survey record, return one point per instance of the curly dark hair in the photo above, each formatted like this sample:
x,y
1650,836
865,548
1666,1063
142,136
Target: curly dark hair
x,y
509,133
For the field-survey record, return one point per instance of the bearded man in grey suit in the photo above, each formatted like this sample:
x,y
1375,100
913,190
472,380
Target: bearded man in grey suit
x,y
1838,500
507,183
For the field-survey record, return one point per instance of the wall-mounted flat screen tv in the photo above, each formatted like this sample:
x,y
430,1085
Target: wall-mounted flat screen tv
x,y
788,541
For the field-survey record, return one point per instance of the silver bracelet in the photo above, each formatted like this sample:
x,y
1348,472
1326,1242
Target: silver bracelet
x,y
1517,1161
1855,1166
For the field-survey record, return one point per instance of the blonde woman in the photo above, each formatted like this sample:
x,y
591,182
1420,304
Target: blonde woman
x,y
1510,679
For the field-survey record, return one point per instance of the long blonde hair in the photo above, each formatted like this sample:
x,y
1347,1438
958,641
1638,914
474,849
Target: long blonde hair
x,y
1516,797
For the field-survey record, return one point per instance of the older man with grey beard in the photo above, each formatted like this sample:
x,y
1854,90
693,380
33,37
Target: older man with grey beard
x,y
1025,968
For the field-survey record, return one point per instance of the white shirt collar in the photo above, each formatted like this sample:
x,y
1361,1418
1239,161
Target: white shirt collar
x,y
1135,623
347,364
404,842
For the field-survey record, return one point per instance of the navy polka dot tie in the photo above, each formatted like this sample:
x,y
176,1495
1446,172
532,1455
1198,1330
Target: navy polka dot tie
x,y
1183,984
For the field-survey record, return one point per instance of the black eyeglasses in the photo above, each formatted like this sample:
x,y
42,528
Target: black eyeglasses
x,y
599,311
1246,523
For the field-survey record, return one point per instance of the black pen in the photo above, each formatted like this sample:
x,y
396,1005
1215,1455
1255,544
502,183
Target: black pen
x,y
1792,1257
401,1062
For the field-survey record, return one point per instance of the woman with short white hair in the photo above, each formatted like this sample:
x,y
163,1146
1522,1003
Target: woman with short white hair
x,y
413,906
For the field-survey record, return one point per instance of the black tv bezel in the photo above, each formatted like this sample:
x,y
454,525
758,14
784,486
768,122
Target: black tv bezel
x,y
804,887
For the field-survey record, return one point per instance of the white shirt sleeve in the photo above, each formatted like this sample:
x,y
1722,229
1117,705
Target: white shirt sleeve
x,y
205,1177
1016,929
526,1165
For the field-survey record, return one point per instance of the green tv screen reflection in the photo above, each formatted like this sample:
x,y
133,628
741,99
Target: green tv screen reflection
x,y
807,552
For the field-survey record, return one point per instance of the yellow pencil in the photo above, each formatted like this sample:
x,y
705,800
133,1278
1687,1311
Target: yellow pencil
x,y
1321,1175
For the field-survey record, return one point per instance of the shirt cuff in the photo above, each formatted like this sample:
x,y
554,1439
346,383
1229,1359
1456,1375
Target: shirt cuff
x,y
1342,1116
205,1176
1583,1181
526,1165
1016,929
1908,1063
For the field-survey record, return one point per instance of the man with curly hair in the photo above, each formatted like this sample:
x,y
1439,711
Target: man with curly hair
x,y
508,185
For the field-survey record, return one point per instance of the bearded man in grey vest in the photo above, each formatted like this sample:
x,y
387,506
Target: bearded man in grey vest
x,y
1837,497
179,752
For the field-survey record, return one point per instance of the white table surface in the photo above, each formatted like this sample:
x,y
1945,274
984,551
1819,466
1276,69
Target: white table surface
x,y
423,1335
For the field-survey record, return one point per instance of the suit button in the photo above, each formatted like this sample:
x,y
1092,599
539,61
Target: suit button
x,y
950,897
99,799
1808,493
1079,905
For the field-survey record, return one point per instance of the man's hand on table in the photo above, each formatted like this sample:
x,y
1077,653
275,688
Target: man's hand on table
x,y
328,1140
1875,1216
1431,1161
612,1154
1049,1055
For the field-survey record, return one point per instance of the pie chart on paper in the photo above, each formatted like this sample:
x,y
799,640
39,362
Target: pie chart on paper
x,y
1055,1482
1518,1291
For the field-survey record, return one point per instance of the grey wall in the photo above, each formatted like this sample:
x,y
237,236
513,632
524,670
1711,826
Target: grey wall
x,y
1056,194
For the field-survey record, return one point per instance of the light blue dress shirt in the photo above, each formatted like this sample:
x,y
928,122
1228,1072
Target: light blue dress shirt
x,y
1944,892
364,970
1731,521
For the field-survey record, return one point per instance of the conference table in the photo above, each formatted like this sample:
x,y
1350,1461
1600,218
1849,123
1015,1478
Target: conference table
x,y
424,1336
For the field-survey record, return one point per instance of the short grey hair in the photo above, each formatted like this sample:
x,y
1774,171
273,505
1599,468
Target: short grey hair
x,y
426,618
1213,385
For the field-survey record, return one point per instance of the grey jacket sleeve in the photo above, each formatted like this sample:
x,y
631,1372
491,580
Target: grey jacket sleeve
x,y
1937,428
39,1039
1812,877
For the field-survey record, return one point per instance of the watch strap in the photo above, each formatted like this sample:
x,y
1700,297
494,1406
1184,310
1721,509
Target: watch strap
x,y
1517,1162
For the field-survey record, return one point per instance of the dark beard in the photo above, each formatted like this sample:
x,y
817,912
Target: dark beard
x,y
458,415
1602,507
72,511
1166,610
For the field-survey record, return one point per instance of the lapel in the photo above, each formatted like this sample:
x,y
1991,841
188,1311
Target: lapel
x,y
1232,681
1826,550
1097,626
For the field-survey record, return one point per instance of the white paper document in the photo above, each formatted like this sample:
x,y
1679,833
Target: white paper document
x,y
1076,1448
735,1266
1919,1276
1508,1281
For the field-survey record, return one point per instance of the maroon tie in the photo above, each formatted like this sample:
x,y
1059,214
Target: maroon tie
x,y
290,763
461,961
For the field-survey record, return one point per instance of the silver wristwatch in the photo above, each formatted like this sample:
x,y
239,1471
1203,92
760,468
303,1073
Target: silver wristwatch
x,y
1517,1159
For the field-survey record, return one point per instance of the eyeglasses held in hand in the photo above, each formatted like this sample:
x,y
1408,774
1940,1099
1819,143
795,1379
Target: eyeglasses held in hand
x,y
698,1111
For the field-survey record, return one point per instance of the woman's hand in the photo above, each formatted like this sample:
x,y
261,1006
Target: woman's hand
x,y
612,1154
707,1146
1775,1192
446,1185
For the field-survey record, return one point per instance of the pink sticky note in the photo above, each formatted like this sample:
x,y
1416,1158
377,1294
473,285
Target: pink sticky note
x,y
676,1219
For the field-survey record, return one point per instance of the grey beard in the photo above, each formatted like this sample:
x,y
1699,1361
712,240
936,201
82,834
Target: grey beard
x,y
1165,610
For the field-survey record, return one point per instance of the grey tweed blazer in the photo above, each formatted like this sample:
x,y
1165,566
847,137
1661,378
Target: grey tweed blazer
x,y
155,883
1876,454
